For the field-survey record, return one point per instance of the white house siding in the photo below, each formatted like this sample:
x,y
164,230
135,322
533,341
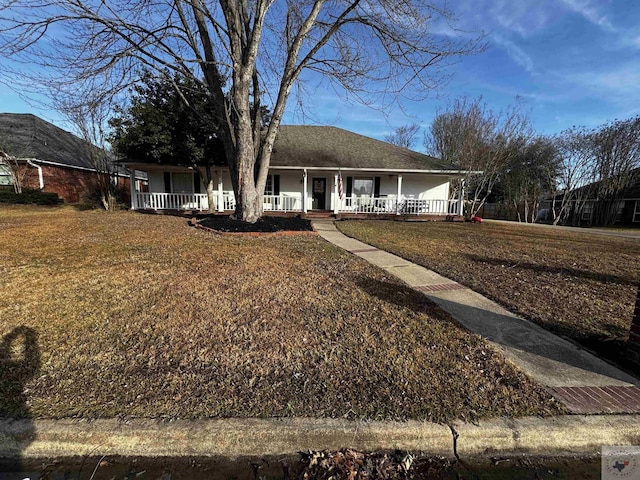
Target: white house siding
x,y
426,187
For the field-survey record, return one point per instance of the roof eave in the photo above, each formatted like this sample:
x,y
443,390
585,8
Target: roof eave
x,y
381,170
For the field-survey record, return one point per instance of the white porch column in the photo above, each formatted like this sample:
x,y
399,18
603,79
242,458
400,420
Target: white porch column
x,y
399,198
305,186
220,192
461,200
336,198
132,188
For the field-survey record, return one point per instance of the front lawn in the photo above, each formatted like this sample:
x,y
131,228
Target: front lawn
x,y
141,315
574,283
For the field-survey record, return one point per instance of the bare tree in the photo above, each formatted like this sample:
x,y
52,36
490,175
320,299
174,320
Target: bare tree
x,y
238,50
480,141
90,120
531,174
616,155
404,136
17,166
575,174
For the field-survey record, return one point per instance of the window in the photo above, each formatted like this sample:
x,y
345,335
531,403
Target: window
x,y
268,189
182,182
272,187
587,211
5,176
619,211
363,186
636,212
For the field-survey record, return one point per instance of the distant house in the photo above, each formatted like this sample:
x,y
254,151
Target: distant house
x,y
51,159
315,168
590,206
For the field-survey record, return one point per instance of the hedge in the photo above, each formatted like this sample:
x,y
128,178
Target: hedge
x,y
29,196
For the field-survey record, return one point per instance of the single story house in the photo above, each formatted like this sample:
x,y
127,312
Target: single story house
x,y
316,169
592,206
51,159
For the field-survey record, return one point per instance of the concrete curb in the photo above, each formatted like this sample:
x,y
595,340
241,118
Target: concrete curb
x,y
564,435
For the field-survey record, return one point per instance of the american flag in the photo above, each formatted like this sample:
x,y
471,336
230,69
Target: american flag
x,y
340,192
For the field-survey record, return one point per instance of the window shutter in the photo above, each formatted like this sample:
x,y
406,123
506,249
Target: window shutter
x,y
276,184
196,182
349,186
167,182
376,187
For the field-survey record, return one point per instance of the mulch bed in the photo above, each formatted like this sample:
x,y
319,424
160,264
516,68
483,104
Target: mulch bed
x,y
224,223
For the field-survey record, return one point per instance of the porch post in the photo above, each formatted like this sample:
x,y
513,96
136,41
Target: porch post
x,y
132,188
461,199
398,200
220,192
336,199
305,185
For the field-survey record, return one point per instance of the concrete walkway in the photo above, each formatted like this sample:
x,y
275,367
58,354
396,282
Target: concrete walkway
x,y
580,380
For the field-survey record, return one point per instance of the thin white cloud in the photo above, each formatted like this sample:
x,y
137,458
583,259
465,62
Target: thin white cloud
x,y
628,39
516,53
619,85
524,17
589,12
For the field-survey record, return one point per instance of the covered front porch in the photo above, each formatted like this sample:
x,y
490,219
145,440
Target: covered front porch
x,y
306,190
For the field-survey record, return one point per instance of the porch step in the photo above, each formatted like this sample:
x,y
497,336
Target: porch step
x,y
318,214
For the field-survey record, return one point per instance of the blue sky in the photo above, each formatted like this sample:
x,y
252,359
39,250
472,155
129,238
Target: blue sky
x,y
573,62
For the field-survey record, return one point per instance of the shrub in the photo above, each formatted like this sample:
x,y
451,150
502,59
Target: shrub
x,y
29,196
91,198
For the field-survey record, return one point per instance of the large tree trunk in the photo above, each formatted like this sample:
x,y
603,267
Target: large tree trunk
x,y
208,178
249,200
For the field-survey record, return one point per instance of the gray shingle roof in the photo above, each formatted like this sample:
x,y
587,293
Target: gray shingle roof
x,y
26,136
318,146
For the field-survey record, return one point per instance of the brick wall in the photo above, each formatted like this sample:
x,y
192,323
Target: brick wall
x,y
633,344
69,183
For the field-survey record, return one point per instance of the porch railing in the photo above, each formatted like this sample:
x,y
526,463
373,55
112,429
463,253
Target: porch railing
x,y
406,206
282,203
365,204
293,203
171,201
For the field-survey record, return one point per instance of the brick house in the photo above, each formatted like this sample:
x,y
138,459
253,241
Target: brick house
x,y
51,159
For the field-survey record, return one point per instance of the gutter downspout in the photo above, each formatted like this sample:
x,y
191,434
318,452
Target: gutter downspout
x,y
40,177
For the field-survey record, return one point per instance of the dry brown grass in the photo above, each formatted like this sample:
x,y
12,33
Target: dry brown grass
x,y
578,284
141,315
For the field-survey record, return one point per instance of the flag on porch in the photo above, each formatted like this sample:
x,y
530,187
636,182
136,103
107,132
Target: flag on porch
x,y
340,191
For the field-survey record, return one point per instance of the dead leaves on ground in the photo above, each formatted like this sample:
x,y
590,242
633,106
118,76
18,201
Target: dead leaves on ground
x,y
574,283
141,315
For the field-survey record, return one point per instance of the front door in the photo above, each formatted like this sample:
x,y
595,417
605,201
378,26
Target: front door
x,y
319,195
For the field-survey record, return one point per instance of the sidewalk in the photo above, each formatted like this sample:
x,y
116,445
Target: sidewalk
x,y
575,377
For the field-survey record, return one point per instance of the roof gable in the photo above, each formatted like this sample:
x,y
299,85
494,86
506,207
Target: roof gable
x,y
28,136
318,146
